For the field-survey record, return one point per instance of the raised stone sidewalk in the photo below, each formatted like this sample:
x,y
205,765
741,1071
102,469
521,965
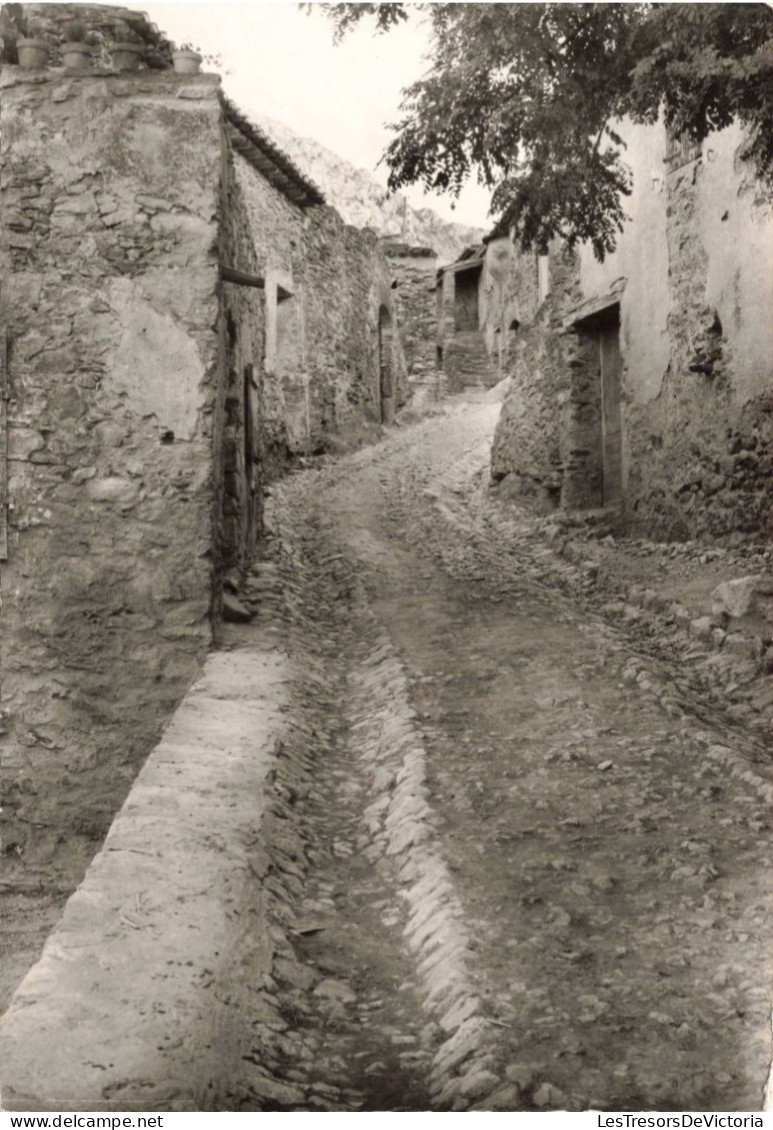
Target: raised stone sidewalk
x,y
119,1012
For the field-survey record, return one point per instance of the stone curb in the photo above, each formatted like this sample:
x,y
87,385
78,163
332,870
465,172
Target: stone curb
x,y
118,1013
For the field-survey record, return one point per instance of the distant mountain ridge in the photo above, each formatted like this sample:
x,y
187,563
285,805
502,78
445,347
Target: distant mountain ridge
x,y
363,202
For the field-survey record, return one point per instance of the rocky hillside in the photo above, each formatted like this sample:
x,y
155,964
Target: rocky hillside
x,y
362,201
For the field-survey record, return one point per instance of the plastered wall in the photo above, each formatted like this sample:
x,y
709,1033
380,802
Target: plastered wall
x,y
109,191
692,277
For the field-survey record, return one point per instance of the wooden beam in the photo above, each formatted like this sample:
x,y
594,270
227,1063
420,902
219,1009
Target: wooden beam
x,y
592,307
241,278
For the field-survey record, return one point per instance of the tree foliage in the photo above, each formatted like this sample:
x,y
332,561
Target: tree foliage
x,y
527,97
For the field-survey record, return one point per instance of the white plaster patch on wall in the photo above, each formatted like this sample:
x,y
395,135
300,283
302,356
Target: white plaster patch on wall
x,y
641,257
155,362
739,286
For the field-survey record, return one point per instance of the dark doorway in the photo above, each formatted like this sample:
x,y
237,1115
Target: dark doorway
x,y
593,459
386,366
610,372
466,315
251,457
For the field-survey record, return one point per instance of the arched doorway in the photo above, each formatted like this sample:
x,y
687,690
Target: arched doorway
x,y
386,366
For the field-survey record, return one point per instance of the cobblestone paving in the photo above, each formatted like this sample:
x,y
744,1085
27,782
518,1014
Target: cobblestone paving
x,y
523,870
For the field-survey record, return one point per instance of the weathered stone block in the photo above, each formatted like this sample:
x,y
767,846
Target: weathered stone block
x,y
112,490
733,599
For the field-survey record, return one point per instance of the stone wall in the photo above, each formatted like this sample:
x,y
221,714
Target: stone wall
x,y
149,401
414,271
325,284
348,283
690,277
276,230
532,444
241,416
110,200
702,449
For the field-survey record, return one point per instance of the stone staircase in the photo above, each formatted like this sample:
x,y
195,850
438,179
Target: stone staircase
x,y
466,362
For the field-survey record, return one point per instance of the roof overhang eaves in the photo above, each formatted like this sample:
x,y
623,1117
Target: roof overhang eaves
x,y
468,265
269,160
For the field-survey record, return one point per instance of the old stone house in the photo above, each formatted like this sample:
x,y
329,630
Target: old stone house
x,y
414,271
461,316
643,384
180,314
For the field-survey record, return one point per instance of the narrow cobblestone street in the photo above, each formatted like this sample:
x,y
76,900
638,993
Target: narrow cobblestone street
x,y
521,875
386,559
445,833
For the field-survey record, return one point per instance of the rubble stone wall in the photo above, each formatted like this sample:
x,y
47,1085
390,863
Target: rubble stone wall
x,y
533,437
148,403
348,282
110,201
693,274
702,449
276,228
325,284
414,270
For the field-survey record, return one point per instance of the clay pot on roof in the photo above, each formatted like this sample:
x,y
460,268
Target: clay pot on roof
x,y
76,56
126,56
33,52
75,51
186,61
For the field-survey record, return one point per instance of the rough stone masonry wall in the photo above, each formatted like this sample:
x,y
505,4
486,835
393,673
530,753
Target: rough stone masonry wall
x,y
320,362
533,438
694,272
347,281
276,228
110,195
414,270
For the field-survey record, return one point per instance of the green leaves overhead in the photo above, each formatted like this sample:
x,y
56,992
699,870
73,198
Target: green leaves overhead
x,y
525,97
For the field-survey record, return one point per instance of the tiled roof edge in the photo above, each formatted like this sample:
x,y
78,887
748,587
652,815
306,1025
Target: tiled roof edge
x,y
290,180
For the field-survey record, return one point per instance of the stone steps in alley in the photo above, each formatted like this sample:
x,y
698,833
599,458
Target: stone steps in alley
x,y
467,363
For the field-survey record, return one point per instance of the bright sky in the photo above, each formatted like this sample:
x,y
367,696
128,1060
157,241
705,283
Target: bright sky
x,y
283,63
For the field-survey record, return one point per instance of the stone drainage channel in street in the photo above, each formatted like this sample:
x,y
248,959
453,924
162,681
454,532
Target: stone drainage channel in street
x,y
472,860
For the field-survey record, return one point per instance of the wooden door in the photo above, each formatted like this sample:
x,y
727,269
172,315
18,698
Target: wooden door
x,y
385,365
611,416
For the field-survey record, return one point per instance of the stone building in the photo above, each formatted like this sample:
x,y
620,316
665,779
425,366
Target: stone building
x,y
643,384
414,271
180,314
462,314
